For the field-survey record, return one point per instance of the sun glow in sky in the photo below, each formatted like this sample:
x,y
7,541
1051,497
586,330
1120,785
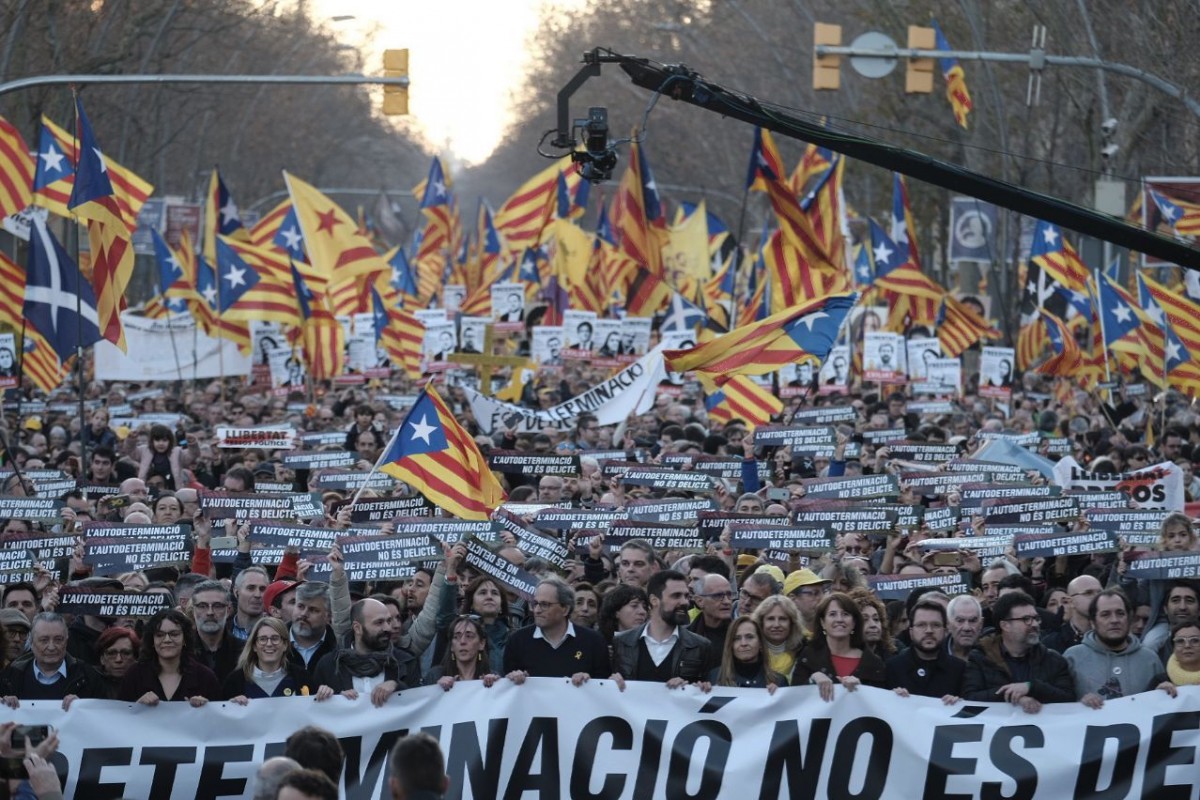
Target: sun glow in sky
x,y
466,57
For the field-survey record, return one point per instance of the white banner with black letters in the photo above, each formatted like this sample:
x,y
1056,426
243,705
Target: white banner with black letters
x,y
649,742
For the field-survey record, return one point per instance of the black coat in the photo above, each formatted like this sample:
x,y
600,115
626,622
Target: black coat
x,y
814,658
987,671
937,678
82,680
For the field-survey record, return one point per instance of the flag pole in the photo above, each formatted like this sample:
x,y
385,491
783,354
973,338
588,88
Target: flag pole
x,y
1096,297
162,291
77,276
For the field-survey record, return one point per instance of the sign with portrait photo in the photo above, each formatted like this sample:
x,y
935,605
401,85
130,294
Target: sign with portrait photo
x,y
835,372
579,333
508,304
883,357
546,346
921,351
996,372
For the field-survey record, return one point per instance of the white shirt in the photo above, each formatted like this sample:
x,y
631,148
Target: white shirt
x,y
537,634
364,686
660,650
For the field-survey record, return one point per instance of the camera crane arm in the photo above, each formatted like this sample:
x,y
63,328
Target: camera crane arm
x,y
685,85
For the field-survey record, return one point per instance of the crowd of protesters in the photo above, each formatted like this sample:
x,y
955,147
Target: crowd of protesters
x,y
1071,629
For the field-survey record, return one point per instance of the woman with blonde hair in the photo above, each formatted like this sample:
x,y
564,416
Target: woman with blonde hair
x,y
782,632
263,669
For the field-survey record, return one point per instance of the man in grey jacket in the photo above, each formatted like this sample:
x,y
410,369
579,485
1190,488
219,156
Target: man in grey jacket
x,y
1110,662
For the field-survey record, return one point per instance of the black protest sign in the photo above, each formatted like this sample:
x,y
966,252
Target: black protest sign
x,y
509,575
712,523
360,571
884,436
936,483
23,554
781,537
246,505
1088,499
930,407
604,456
48,483
973,494
853,488
898,587
532,463
1033,545
826,415
1018,512
534,543
122,531
983,546
450,531
323,439
387,549
374,510
673,511
1162,566
343,480
1139,527
668,480
32,508
274,487
728,467
921,452
319,459
942,518
846,517
261,554
994,470
114,555
611,469
268,534
577,519
111,604
796,436
661,536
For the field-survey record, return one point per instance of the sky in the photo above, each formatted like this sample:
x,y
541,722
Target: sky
x,y
465,59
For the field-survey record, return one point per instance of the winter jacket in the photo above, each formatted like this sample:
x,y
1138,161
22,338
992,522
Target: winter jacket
x,y
987,671
690,659
1096,669
814,658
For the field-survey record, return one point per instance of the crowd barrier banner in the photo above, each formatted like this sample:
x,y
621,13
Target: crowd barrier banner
x,y
167,350
548,739
628,392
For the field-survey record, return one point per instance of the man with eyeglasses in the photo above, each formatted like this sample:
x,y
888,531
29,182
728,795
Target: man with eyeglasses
x,y
1111,662
1012,665
209,607
713,595
806,589
48,672
926,669
1082,591
755,589
553,647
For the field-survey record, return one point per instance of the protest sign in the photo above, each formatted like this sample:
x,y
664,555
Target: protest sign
x,y
111,604
667,479
660,535
33,508
318,459
571,519
511,576
449,531
897,587
782,537
1162,566
242,505
1035,545
855,488
532,463
1008,511
1156,486
1138,527
373,510
673,511
265,438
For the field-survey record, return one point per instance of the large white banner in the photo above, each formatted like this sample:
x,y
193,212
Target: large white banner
x,y
514,741
628,392
167,350
1156,486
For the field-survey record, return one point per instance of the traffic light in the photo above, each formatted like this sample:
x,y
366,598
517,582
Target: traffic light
x,y
395,98
918,77
827,69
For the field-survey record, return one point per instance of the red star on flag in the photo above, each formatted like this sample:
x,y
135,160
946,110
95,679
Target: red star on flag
x,y
328,220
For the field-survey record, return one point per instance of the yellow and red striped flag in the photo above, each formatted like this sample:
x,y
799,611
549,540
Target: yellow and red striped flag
x,y
740,398
16,170
434,454
335,248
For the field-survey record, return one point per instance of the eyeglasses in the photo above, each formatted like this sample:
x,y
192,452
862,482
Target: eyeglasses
x,y
206,607
168,634
1031,619
273,639
1186,641
717,595
536,604
746,597
119,653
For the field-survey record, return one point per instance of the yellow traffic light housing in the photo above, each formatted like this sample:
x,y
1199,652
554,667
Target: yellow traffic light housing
x,y
918,77
395,98
827,69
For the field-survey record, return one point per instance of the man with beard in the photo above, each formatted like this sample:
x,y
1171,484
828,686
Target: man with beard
x,y
553,647
662,649
210,606
311,634
366,668
1012,665
1182,605
926,669
1110,662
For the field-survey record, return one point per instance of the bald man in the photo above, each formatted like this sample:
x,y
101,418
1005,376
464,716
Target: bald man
x,y
1081,591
